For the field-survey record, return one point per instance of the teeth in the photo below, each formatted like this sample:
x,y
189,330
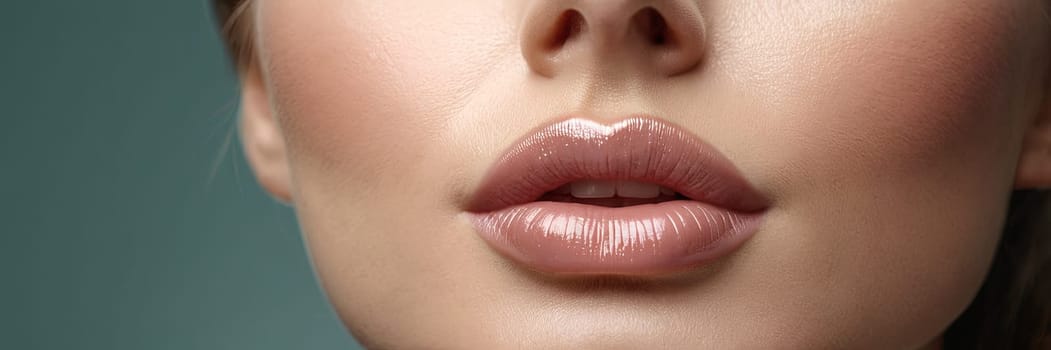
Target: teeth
x,y
593,189
632,189
667,191
610,189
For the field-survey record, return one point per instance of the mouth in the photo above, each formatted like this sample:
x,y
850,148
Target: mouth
x,y
639,196
611,193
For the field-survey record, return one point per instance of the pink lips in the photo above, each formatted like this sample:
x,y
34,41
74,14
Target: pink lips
x,y
720,212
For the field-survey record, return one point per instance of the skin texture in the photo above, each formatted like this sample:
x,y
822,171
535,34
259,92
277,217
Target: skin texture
x,y
887,135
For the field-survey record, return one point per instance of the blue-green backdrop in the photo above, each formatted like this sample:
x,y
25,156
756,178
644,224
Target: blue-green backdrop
x,y
130,219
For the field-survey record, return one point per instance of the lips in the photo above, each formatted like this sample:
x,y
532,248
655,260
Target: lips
x,y
639,196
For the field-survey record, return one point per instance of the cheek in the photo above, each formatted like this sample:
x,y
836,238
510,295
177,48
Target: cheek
x,y
887,104
884,99
887,84
367,94
890,146
372,87
899,102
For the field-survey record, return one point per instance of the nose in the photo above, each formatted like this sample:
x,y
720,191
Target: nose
x,y
664,36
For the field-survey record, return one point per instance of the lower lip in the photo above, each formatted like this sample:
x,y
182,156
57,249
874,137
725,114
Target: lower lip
x,y
574,238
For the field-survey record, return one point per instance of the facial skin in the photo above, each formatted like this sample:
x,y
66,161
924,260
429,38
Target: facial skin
x,y
886,134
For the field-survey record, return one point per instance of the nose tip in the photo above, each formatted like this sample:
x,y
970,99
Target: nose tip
x,y
666,35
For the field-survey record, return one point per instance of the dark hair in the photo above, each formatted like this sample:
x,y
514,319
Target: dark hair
x,y
1013,308
1011,311
236,29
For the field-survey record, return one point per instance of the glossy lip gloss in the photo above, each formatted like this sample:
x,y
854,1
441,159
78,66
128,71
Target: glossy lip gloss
x,y
719,213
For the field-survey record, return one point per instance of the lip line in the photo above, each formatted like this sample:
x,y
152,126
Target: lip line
x,y
718,168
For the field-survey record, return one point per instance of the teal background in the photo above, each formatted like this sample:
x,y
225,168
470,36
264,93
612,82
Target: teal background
x,y
130,219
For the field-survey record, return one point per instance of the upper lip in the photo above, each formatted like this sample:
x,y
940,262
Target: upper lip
x,y
637,148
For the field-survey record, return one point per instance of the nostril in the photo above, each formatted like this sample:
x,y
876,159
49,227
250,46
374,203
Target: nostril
x,y
568,27
652,26
667,36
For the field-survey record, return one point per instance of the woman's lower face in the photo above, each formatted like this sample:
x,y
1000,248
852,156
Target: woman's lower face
x,y
875,140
